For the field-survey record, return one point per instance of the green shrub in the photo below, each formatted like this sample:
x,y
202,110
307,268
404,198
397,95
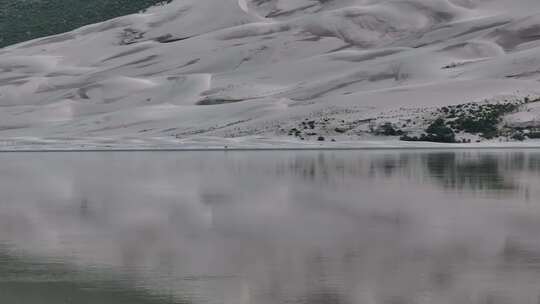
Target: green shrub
x,y
482,119
387,129
518,136
533,135
438,131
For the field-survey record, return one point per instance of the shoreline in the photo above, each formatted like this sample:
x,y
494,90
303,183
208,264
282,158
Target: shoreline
x,y
274,149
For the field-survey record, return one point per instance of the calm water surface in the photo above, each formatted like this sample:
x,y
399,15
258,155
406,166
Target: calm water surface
x,y
270,227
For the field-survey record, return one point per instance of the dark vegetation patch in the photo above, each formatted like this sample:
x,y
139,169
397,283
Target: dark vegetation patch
x,y
317,128
25,20
438,131
450,124
388,129
523,133
482,119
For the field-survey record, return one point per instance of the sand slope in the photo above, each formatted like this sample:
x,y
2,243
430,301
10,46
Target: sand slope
x,y
236,68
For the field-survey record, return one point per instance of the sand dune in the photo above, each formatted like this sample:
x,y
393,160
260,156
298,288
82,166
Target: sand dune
x,y
258,67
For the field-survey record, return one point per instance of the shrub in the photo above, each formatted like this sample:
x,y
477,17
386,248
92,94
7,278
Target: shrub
x,y
483,119
533,135
438,131
387,129
518,136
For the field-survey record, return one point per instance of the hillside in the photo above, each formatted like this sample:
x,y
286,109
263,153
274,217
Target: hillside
x,y
22,20
279,70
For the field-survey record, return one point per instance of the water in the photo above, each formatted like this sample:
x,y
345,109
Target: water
x,y
270,227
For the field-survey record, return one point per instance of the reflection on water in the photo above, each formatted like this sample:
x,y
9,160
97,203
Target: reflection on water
x,y
465,171
24,280
270,227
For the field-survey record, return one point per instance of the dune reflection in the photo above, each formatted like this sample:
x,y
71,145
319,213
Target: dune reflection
x,y
258,227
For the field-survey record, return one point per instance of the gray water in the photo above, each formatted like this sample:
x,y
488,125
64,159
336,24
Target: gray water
x,y
270,227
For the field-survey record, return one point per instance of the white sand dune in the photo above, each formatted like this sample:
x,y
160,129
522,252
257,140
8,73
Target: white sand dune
x,y
245,68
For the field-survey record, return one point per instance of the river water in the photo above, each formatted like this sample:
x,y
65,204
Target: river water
x,y
309,227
